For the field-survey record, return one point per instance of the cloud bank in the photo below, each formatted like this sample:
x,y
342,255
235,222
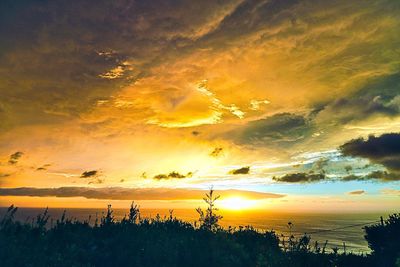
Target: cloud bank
x,y
383,149
119,193
300,177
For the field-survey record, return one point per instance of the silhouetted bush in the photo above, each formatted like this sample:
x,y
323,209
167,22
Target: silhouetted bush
x,y
384,240
168,241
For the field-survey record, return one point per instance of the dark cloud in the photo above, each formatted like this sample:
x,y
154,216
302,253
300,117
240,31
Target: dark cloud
x,y
89,174
379,96
56,58
119,193
249,17
356,192
348,110
54,55
216,152
3,175
172,175
43,168
384,149
386,87
15,157
283,129
300,177
382,176
243,170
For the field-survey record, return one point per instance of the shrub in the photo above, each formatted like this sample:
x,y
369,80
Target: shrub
x,y
384,240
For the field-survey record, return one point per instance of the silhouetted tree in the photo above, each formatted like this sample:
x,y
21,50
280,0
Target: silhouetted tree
x,y
133,213
108,219
209,219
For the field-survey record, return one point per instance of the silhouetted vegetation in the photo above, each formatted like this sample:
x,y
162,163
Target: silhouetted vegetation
x,y
384,241
209,219
168,241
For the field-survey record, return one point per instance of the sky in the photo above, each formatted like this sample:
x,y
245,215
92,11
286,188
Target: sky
x,y
284,105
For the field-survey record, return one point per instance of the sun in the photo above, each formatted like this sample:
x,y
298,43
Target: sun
x,y
237,203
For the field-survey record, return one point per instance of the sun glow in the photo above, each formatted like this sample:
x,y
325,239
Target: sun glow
x,y
237,203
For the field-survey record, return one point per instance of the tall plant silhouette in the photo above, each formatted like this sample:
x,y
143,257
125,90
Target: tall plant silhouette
x,y
208,218
108,219
134,214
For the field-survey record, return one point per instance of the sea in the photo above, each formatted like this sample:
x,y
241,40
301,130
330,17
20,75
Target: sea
x,y
338,230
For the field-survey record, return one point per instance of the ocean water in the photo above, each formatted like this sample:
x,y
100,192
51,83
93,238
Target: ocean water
x,y
322,227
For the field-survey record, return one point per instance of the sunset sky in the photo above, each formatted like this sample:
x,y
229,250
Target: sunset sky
x,y
279,105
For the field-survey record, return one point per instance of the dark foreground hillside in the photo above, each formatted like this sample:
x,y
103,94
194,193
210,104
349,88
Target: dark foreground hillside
x,y
172,242
134,241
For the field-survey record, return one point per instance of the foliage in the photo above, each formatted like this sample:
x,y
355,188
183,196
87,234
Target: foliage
x,y
134,214
208,218
168,241
382,240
